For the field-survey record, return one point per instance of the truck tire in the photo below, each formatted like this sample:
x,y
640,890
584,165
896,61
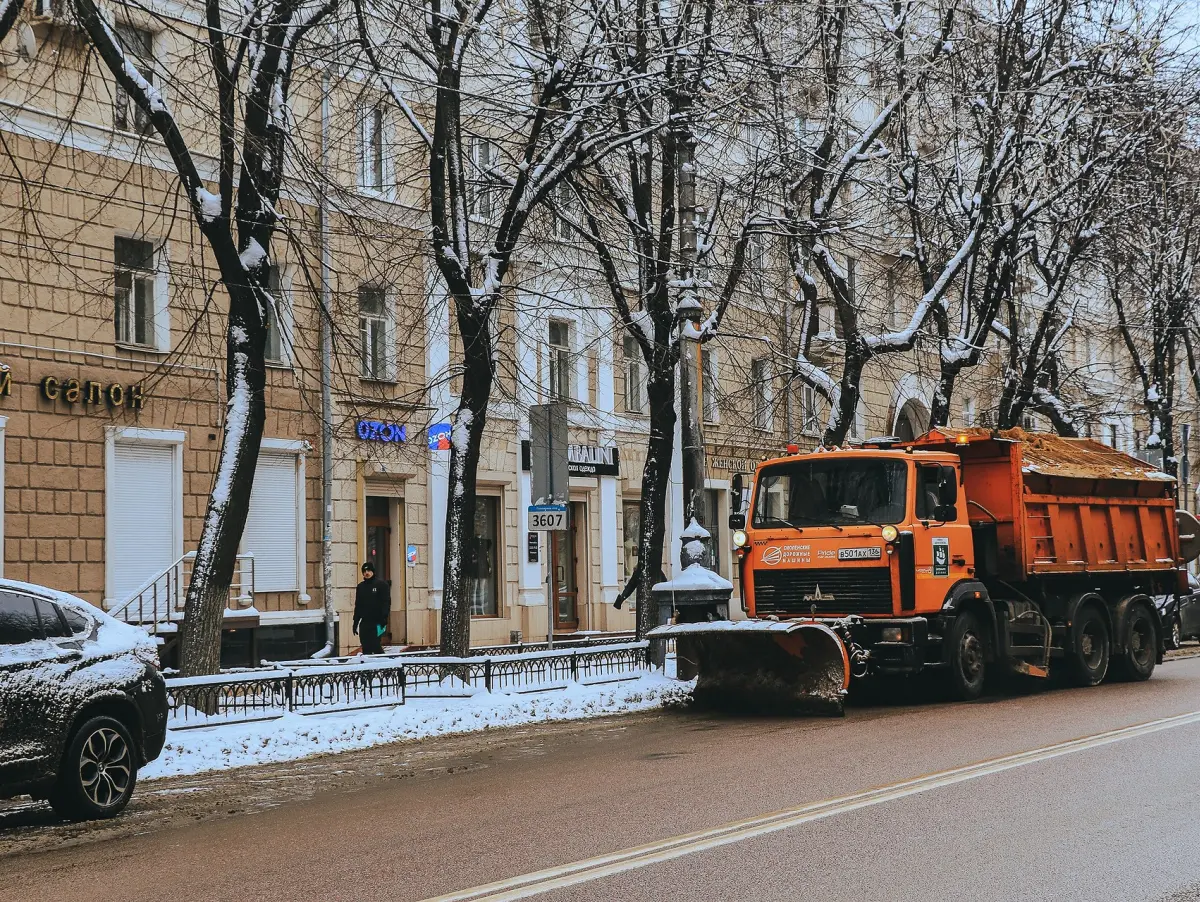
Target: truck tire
x,y
1137,661
968,657
1088,646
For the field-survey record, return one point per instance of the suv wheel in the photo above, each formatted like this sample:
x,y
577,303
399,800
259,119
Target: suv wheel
x,y
98,773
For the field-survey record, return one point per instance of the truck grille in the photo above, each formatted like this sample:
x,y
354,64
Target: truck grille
x,y
846,590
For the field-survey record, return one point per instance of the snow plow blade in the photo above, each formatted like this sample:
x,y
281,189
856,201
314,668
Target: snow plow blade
x,y
762,666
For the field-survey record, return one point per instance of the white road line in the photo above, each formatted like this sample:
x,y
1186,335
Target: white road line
x,y
537,882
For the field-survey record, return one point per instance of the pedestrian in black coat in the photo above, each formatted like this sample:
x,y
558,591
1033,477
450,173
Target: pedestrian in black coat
x,y
372,606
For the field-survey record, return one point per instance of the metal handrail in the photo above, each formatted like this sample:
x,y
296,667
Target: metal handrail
x,y
158,603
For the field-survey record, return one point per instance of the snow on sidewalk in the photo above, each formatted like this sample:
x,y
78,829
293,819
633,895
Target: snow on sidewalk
x,y
300,736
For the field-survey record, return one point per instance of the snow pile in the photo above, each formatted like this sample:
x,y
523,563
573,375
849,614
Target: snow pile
x,y
298,736
695,576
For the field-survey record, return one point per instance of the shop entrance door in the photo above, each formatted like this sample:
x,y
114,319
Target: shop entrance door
x,y
379,536
564,558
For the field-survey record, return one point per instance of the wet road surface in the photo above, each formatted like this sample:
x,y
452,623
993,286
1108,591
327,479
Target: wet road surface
x,y
1063,794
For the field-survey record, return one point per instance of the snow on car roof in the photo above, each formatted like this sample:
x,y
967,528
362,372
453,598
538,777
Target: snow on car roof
x,y
111,635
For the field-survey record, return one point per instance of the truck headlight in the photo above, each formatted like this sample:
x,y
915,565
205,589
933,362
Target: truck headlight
x,y
739,538
890,533
892,634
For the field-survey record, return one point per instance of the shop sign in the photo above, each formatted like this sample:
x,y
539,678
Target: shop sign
x,y
732,464
410,555
92,393
377,431
439,437
584,460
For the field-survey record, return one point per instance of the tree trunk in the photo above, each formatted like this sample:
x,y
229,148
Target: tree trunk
x,y
465,444
229,503
939,414
655,478
850,391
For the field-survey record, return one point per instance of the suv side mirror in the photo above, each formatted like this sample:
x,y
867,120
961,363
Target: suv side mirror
x,y
737,521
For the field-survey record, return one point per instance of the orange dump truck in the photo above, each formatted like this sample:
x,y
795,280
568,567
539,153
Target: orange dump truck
x,y
970,552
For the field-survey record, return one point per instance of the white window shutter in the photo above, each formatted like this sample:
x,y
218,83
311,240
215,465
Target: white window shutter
x,y
272,530
142,507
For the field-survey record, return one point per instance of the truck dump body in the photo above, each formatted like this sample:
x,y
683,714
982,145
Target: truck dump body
x,y
1043,505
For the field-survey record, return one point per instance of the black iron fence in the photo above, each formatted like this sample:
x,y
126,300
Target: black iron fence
x,y
311,687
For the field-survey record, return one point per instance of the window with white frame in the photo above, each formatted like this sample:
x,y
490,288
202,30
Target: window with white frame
x,y
891,310
372,152
373,327
135,290
810,411
278,319
560,360
481,184
756,258
566,211
968,412
635,376
138,46
708,384
1110,435
761,391
274,526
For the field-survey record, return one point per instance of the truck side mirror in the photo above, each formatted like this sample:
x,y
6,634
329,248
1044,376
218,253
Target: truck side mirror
x,y
737,486
947,496
737,521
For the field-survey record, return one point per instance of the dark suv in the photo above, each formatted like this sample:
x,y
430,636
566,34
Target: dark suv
x,y
82,703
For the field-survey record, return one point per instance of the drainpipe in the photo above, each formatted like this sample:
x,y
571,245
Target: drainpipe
x,y
326,318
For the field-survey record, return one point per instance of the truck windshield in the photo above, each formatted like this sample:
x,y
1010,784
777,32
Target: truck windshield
x,y
831,492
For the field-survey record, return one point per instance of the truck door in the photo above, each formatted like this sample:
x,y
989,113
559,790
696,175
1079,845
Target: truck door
x,y
941,535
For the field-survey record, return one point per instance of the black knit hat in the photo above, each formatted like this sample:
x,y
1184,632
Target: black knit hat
x,y
368,566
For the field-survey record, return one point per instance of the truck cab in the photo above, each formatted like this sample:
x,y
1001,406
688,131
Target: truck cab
x,y
877,534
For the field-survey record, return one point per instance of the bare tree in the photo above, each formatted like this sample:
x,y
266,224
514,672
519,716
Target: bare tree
x,y
1151,281
545,98
252,61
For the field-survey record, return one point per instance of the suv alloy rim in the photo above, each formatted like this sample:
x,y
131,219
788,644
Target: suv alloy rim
x,y
105,767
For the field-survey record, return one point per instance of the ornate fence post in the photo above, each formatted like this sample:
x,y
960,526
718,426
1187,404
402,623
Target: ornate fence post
x,y
288,688
575,665
487,674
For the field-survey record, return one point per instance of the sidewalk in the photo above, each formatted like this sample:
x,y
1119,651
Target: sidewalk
x,y
300,736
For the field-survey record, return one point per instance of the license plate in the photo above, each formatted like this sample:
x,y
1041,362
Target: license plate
x,y
859,554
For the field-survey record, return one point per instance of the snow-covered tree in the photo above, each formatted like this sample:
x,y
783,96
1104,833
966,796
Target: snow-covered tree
x,y
536,83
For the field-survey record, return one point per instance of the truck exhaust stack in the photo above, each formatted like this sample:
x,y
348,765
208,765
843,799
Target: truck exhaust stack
x,y
763,667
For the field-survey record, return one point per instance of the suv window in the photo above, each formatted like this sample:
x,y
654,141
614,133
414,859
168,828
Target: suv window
x,y
76,620
52,625
18,619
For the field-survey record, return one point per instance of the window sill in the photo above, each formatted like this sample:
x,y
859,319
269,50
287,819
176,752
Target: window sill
x,y
143,349
487,617
378,380
278,365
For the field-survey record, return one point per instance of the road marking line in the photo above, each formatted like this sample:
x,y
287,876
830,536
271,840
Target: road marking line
x,y
537,882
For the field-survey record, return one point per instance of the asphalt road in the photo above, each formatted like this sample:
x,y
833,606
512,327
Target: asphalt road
x,y
1062,794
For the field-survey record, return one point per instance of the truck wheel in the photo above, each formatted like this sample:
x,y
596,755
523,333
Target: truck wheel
x,y
98,772
1087,648
968,657
1137,662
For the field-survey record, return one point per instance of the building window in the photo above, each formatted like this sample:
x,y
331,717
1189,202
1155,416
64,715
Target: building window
x,y
756,259
891,313
277,319
968,412
482,195
708,385
372,154
373,327
760,378
138,46
811,424
483,566
852,279
712,522
273,530
631,521
560,361
1110,435
566,210
134,291
635,376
